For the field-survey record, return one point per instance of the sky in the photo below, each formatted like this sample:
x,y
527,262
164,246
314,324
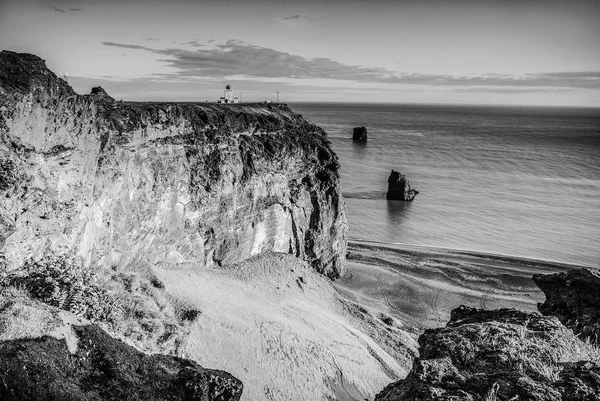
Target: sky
x,y
513,52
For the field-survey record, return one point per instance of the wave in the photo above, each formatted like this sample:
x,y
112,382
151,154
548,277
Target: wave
x,y
521,260
368,195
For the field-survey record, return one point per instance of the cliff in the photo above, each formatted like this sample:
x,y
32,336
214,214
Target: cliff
x,y
574,298
136,185
204,232
502,354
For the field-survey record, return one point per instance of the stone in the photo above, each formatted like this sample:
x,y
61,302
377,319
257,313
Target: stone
x,y
502,354
101,93
399,188
574,298
170,184
360,134
71,359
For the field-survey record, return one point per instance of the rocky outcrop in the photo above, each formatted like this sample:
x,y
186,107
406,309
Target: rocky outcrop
x,y
574,298
399,188
101,93
48,354
150,184
359,134
502,354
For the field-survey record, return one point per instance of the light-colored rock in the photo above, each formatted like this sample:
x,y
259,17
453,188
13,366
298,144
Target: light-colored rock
x,y
160,184
502,354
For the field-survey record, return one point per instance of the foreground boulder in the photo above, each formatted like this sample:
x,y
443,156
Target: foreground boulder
x,y
574,298
399,188
48,354
147,184
502,354
359,134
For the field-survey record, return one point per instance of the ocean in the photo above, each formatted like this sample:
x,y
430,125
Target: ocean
x,y
516,181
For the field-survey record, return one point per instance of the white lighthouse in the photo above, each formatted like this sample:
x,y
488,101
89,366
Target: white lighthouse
x,y
228,96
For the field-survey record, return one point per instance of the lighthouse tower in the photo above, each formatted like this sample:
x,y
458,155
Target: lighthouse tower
x,y
228,96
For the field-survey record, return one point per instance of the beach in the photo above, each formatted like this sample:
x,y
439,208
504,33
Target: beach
x,y
421,285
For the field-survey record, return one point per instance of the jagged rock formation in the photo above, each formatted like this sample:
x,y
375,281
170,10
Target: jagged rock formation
x,y
574,298
151,184
101,93
502,354
359,134
399,188
49,354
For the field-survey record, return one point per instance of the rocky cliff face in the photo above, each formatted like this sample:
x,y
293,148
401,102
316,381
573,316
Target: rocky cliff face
x,y
573,297
160,184
502,354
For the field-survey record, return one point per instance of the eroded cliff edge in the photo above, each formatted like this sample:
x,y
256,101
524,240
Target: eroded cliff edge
x,y
157,184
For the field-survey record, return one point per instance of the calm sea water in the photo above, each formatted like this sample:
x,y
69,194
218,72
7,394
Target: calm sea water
x,y
514,181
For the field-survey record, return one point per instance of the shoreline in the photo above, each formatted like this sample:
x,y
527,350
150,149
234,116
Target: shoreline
x,y
427,249
420,285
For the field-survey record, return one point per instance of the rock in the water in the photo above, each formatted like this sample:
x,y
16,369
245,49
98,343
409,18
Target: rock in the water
x,y
574,298
180,184
502,354
48,354
399,188
360,134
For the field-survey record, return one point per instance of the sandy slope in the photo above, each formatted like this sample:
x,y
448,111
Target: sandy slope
x,y
421,285
284,331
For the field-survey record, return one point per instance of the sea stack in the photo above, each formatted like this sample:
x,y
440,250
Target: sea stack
x,y
399,188
360,134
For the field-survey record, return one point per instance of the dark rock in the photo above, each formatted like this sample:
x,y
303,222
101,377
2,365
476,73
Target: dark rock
x,y
574,298
100,93
502,354
104,368
360,134
50,354
399,188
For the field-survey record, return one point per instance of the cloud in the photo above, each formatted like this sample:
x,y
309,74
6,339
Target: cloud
x,y
126,46
71,11
510,90
235,57
194,43
58,9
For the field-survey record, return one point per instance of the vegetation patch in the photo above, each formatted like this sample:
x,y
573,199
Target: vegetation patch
x,y
60,280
